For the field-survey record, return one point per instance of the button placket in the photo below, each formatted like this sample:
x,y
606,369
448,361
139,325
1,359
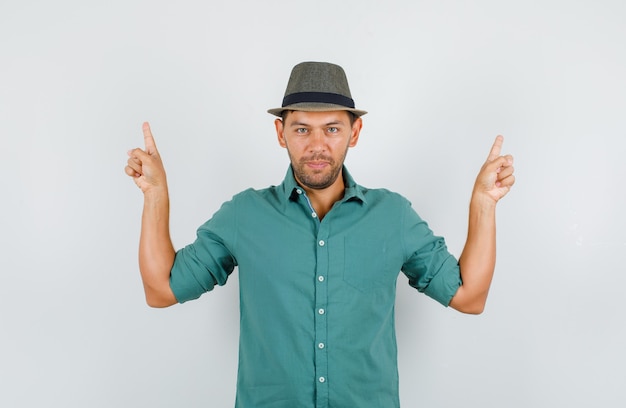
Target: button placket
x,y
321,301
321,315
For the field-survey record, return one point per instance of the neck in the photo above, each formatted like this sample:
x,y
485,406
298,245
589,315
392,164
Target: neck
x,y
323,199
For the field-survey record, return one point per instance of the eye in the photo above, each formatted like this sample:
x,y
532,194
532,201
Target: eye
x,y
301,131
332,130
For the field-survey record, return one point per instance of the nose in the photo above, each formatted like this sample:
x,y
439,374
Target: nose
x,y
317,141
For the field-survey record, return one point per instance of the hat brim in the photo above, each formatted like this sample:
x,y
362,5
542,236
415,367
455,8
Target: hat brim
x,y
315,107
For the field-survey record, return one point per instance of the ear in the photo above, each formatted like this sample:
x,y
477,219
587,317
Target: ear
x,y
356,130
280,134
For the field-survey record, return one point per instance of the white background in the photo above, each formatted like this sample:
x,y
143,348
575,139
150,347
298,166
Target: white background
x,y
440,78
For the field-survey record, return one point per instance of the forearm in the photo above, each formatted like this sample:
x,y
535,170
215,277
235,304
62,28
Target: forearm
x,y
477,262
156,252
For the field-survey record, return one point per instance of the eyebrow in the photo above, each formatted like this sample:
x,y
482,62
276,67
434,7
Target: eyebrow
x,y
332,123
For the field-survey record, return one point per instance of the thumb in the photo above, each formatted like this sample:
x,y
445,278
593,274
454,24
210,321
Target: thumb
x,y
148,139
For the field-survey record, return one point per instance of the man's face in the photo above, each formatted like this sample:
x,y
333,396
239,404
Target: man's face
x,y
317,143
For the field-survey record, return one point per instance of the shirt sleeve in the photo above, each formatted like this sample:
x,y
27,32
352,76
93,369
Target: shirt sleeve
x,y
431,269
208,261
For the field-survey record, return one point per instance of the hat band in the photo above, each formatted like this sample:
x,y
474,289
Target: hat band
x,y
318,97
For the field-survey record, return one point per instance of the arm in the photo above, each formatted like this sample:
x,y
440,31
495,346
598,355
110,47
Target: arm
x,y
477,262
156,252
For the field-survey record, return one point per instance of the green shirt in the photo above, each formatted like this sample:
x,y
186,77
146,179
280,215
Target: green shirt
x,y
316,298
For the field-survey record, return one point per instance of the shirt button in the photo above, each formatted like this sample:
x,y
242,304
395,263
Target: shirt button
x,y
321,311
313,215
299,191
320,278
322,379
322,243
321,346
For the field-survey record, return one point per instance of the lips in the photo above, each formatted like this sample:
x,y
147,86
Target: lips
x,y
317,161
317,164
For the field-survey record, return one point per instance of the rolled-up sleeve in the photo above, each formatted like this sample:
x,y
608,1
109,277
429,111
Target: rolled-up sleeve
x,y
431,269
209,260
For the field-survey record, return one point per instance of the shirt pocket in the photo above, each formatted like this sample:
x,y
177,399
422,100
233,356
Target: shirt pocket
x,y
366,265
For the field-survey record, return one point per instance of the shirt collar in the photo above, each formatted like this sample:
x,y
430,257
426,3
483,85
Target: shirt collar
x,y
353,191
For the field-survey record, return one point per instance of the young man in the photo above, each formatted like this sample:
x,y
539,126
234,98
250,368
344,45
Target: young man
x,y
318,257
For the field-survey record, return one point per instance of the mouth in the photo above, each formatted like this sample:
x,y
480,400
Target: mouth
x,y
316,164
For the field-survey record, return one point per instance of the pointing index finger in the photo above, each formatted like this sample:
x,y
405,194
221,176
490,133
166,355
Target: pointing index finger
x,y
148,139
496,148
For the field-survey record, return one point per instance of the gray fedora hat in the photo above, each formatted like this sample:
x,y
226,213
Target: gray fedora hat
x,y
317,87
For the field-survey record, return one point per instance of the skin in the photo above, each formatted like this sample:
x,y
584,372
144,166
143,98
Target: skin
x,y
156,252
478,259
317,144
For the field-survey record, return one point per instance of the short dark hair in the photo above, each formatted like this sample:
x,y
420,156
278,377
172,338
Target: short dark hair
x,y
351,116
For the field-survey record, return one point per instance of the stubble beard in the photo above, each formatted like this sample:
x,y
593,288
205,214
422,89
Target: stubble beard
x,y
317,179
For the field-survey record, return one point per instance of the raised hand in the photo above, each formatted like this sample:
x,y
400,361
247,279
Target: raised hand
x,y
495,178
145,166
156,252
